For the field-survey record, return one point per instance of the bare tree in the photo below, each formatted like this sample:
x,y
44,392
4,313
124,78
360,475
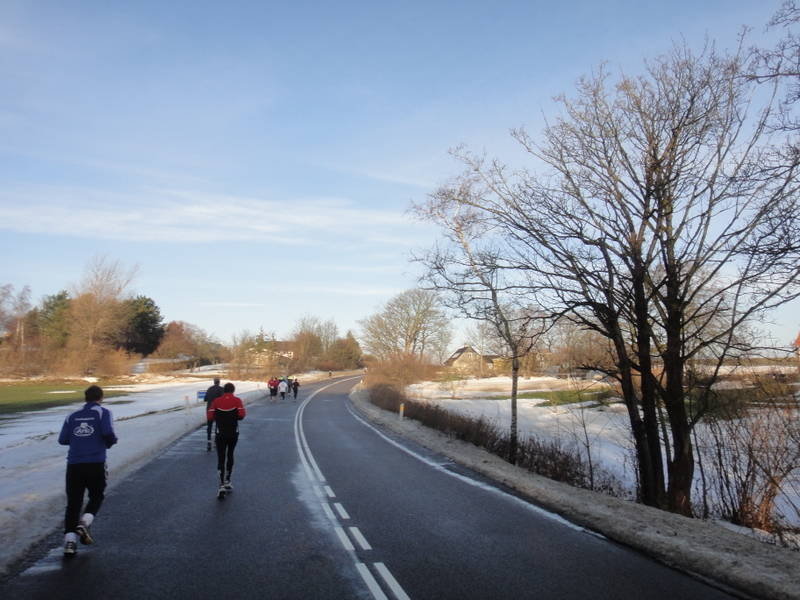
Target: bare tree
x,y
328,334
655,191
308,346
6,290
411,324
14,309
189,343
468,270
21,304
96,312
782,63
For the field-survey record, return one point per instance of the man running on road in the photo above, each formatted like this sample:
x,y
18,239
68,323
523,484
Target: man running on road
x,y
226,411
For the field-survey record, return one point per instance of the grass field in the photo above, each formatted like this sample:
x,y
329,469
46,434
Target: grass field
x,y
561,397
20,397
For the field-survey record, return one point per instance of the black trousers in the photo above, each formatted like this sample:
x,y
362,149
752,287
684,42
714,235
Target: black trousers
x,y
225,449
82,477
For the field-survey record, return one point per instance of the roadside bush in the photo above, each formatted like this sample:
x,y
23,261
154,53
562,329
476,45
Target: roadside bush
x,y
551,458
386,396
398,372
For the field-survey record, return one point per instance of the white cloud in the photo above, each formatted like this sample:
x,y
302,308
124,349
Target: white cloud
x,y
187,216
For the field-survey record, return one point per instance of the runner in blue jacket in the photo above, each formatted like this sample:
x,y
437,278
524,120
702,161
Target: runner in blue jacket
x,y
88,432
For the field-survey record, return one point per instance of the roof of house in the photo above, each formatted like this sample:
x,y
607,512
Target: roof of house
x,y
488,358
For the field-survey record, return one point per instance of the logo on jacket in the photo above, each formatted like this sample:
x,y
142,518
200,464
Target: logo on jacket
x,y
84,430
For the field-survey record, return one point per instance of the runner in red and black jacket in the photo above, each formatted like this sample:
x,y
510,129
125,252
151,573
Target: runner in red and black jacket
x,y
226,411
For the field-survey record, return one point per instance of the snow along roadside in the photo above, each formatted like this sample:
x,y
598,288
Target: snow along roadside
x,y
738,562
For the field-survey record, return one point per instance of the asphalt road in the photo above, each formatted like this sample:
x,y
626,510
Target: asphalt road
x,y
326,506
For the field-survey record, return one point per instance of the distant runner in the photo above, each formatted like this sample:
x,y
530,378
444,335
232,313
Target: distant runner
x,y
272,384
283,387
212,393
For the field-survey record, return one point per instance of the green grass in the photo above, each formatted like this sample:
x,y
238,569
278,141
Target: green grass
x,y
21,397
562,397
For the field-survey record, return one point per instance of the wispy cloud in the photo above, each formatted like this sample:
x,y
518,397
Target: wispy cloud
x,y
229,304
188,216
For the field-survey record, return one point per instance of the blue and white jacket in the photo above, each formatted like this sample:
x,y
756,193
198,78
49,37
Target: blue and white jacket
x,y
88,432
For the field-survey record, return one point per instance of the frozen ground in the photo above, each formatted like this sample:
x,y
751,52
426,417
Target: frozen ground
x,y
32,471
605,432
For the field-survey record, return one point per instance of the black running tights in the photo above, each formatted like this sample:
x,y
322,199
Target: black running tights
x,y
225,448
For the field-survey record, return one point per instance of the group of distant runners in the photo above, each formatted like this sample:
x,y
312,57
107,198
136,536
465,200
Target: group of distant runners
x,y
280,386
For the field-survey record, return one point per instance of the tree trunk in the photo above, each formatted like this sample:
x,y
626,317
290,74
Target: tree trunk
x,y
680,469
514,439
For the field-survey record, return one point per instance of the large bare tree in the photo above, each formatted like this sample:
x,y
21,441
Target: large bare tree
x,y
411,324
656,215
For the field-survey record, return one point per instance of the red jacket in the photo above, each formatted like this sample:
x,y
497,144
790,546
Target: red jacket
x,y
226,411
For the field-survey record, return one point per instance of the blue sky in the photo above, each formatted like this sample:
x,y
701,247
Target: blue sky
x,y
256,159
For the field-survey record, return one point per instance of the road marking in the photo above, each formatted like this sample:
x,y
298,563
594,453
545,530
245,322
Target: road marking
x,y
348,545
309,464
314,474
372,584
391,582
440,466
362,541
342,511
328,511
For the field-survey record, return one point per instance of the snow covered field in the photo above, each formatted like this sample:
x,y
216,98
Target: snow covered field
x,y
604,432
601,433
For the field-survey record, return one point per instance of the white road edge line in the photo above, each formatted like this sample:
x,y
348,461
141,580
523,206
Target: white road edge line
x,y
372,584
340,509
391,582
328,511
348,545
306,457
362,541
478,484
308,462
